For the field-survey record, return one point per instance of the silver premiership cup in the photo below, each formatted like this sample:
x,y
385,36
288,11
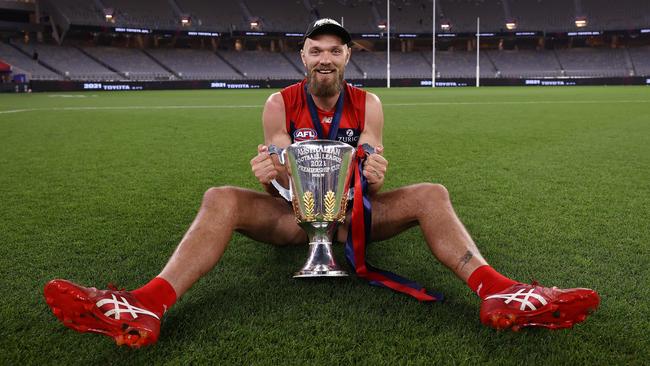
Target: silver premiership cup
x,y
320,173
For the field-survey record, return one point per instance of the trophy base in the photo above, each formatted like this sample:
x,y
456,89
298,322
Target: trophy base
x,y
321,262
312,274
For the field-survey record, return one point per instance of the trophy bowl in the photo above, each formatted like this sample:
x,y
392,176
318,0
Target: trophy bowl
x,y
320,173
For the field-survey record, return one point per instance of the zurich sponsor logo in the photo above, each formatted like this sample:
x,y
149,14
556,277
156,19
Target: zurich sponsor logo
x,y
304,134
349,136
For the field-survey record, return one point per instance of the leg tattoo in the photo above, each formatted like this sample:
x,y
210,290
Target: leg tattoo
x,y
464,260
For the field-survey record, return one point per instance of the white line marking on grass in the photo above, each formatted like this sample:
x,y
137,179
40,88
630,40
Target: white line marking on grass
x,y
248,106
132,107
518,102
140,107
18,110
71,96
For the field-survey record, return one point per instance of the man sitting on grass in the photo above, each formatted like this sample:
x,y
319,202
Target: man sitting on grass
x,y
321,106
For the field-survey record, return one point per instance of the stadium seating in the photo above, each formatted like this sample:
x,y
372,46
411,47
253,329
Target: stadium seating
x,y
222,16
626,14
294,58
192,64
363,16
463,14
407,17
143,13
593,62
112,63
280,15
409,65
402,65
169,57
357,16
526,63
71,62
546,15
371,64
81,12
262,65
641,60
132,63
97,53
461,64
18,59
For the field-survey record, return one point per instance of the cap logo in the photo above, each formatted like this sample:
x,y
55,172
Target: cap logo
x,y
326,21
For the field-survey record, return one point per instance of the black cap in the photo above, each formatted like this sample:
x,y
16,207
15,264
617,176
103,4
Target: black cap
x,y
327,26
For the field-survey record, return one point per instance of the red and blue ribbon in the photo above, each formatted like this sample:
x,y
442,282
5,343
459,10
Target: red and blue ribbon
x,y
359,238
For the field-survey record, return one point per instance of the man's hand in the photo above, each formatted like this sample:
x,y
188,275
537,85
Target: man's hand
x,y
375,166
264,166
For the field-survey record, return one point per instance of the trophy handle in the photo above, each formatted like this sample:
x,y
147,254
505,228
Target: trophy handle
x,y
368,149
285,193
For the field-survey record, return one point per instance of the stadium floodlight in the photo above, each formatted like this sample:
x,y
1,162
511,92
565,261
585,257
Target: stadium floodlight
x,y
109,15
381,26
445,25
255,24
433,45
186,20
511,24
581,22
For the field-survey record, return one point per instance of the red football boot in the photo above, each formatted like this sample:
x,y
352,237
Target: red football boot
x,y
114,313
522,305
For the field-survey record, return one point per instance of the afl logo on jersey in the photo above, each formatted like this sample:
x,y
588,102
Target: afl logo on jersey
x,y
304,134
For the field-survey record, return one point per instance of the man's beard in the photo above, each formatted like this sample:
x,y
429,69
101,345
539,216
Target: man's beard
x,y
325,89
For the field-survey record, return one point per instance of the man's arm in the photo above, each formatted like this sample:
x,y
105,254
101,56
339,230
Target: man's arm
x,y
264,166
375,167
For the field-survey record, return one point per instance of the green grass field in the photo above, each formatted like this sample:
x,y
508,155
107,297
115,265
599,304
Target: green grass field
x,y
553,183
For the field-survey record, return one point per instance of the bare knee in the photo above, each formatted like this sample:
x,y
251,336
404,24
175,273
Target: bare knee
x,y
222,198
432,192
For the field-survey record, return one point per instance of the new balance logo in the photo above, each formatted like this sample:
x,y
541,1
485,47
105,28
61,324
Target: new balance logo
x,y
326,21
126,308
524,299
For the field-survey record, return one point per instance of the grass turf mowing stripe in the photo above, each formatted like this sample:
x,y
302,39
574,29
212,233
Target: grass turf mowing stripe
x,y
102,196
260,106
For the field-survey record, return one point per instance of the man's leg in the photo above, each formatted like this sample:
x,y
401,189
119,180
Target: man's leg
x,y
133,317
507,303
225,210
427,205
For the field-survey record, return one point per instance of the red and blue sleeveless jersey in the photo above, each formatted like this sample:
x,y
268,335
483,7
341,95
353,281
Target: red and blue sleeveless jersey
x,y
299,123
